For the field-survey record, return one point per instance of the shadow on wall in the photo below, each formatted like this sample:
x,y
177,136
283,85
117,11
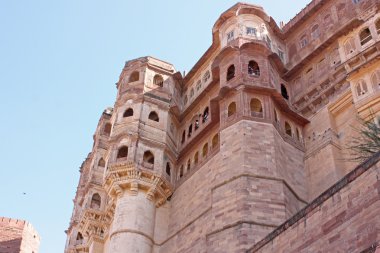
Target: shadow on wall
x,y
11,246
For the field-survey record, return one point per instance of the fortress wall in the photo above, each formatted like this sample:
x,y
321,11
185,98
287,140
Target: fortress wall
x,y
347,221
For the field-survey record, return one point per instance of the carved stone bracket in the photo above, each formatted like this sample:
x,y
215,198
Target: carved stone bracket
x,y
125,178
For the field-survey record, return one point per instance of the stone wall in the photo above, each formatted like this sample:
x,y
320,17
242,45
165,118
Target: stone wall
x,y
342,219
17,236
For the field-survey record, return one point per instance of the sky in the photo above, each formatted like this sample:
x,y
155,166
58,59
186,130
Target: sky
x,y
59,63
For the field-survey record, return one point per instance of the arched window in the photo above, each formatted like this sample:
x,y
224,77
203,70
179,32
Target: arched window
x,y
230,72
196,158
365,36
253,68
199,85
122,152
185,100
378,26
303,41
128,113
361,88
191,92
205,150
107,129
315,31
196,125
231,109
168,169
276,116
256,108
215,141
95,201
288,129
190,130
181,172
349,46
134,77
188,165
79,237
101,163
183,136
206,76
205,115
375,79
148,157
284,92
158,80
297,134
154,116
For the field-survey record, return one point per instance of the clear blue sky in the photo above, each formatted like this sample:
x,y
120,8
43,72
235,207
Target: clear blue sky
x,y
59,63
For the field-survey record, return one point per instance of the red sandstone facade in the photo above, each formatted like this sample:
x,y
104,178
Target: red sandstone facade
x,y
18,236
217,160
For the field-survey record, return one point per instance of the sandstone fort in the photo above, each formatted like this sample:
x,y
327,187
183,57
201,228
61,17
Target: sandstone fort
x,y
247,152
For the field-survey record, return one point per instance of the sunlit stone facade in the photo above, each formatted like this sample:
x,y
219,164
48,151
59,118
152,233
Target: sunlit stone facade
x,y
216,160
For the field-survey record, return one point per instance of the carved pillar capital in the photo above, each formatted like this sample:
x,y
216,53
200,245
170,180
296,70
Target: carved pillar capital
x,y
125,178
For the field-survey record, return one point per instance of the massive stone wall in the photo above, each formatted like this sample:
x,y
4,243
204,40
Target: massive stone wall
x,y
345,218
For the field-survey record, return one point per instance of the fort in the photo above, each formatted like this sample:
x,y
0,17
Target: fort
x,y
247,152
18,236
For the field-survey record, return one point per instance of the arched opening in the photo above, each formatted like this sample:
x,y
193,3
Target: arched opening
x,y
205,150
215,141
275,116
153,116
185,100
205,115
183,136
315,31
190,130
107,129
79,237
95,201
181,172
206,76
284,92
231,109
378,26
365,36
303,41
297,134
128,113
361,88
122,152
134,77
191,92
168,169
196,124
375,79
158,80
188,165
349,46
196,158
256,108
148,157
288,129
102,163
230,72
253,68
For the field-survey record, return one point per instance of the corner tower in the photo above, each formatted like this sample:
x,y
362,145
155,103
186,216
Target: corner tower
x,y
140,160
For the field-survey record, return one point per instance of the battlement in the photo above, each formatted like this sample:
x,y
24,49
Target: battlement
x,y
18,235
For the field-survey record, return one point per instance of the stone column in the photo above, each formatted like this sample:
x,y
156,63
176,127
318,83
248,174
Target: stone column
x,y
133,224
136,193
